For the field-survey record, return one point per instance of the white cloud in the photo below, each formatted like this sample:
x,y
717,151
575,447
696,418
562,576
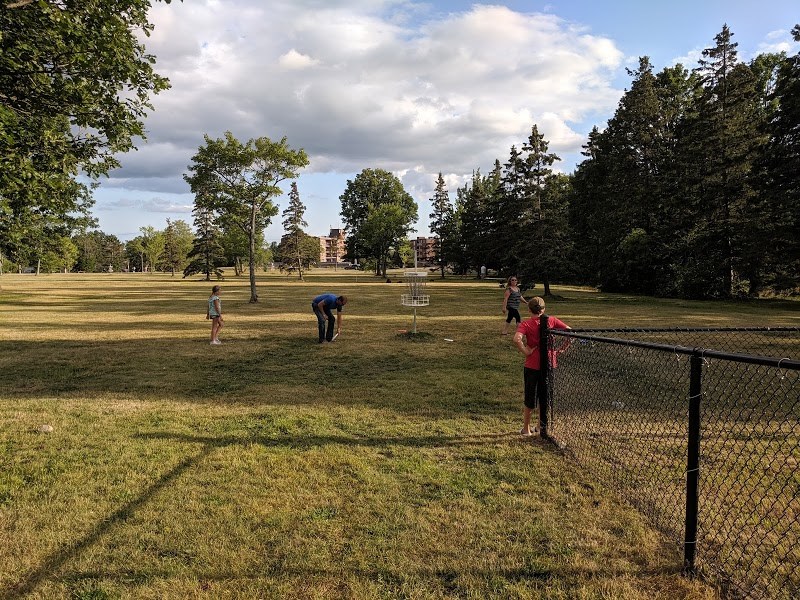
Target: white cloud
x,y
362,83
689,60
778,41
295,60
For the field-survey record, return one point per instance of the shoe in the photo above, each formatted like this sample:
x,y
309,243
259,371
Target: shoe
x,y
216,343
523,434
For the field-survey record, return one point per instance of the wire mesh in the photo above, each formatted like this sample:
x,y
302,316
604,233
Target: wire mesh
x,y
621,410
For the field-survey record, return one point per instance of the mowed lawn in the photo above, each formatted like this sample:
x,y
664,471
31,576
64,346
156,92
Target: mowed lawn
x,y
273,467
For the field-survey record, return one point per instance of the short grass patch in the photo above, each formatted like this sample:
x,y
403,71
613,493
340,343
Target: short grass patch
x,y
276,467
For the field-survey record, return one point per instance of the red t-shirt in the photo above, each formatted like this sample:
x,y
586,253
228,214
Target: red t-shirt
x,y
530,329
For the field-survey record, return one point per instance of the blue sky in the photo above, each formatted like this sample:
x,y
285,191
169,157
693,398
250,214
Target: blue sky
x,y
412,87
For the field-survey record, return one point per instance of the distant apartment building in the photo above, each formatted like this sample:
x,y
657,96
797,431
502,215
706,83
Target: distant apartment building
x,y
425,249
332,247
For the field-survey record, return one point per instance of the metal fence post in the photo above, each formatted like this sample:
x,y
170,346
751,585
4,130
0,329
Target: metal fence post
x,y
693,464
544,374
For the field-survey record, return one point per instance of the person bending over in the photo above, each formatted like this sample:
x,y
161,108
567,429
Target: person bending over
x,y
323,306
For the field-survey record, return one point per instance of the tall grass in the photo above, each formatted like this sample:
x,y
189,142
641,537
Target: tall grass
x,y
380,466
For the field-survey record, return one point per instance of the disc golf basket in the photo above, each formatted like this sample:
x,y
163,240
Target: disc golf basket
x,y
416,295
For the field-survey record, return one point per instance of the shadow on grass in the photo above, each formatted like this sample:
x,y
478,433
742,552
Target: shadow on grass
x,y
52,564
274,369
55,562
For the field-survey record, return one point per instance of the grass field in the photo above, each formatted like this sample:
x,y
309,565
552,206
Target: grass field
x,y
273,467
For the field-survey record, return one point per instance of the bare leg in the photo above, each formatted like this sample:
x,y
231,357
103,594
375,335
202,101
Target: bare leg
x,y
526,421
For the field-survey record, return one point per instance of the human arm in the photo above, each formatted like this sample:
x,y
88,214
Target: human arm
x,y
505,299
522,346
218,308
338,322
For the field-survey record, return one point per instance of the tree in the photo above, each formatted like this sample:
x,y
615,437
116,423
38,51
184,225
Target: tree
x,y
477,220
543,215
152,245
293,224
405,253
442,224
236,245
300,251
96,251
378,212
134,250
74,87
237,182
722,142
206,255
779,178
177,245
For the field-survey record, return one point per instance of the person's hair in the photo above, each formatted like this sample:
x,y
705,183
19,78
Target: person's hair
x,y
215,289
342,299
510,277
536,305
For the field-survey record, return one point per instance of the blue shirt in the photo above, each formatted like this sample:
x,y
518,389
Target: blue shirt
x,y
329,300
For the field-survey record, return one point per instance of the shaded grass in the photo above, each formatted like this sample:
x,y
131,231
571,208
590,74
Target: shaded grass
x,y
271,466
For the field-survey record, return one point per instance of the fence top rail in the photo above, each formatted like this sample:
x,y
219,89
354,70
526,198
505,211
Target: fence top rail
x,y
682,329
783,363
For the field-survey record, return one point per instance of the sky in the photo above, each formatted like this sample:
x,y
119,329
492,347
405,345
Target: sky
x,y
415,88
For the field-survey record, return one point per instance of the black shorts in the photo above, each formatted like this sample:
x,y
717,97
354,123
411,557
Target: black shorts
x,y
512,313
531,388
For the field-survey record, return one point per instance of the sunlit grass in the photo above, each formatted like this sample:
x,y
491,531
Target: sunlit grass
x,y
271,466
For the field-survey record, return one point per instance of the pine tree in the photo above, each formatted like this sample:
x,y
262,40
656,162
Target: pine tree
x,y
293,224
511,211
477,202
779,178
722,143
442,224
542,218
206,255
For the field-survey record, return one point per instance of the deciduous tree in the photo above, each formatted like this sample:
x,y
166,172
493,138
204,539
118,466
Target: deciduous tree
x,y
378,213
75,82
237,182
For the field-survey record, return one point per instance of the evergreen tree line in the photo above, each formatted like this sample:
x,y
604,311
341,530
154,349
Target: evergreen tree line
x,y
690,191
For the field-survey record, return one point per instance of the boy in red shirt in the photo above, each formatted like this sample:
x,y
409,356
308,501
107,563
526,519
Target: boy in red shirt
x,y
529,329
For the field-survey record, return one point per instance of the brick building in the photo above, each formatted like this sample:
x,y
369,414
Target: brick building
x,y
332,247
425,249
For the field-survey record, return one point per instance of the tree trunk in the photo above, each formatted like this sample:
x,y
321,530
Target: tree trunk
x,y
253,292
546,283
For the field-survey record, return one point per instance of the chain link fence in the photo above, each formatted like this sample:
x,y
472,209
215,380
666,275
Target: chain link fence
x,y
700,430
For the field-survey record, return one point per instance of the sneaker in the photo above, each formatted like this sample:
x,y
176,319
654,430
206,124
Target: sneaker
x,y
216,343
